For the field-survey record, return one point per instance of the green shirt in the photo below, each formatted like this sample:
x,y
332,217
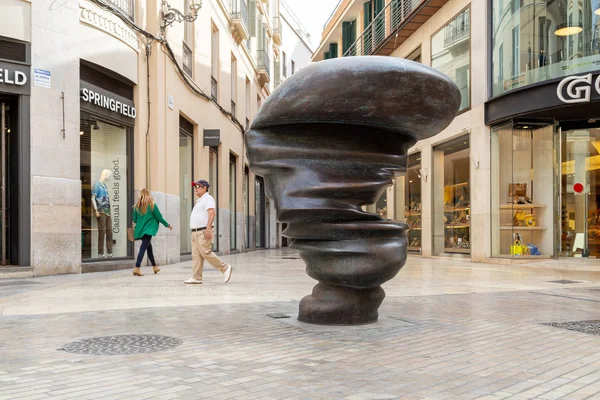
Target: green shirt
x,y
147,224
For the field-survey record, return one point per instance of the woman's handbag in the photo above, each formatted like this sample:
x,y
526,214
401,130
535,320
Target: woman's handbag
x,y
130,234
517,189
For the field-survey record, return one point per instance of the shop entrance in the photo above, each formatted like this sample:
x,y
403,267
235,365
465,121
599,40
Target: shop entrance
x,y
8,127
580,192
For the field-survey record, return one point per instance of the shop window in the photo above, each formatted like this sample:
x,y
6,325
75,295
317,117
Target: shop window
x,y
451,54
522,185
213,175
105,201
232,201
186,176
408,208
246,198
451,197
259,212
546,40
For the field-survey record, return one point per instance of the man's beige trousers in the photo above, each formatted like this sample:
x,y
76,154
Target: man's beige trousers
x,y
202,250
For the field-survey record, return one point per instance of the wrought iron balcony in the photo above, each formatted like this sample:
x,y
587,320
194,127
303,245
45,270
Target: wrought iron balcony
x,y
277,30
264,65
393,18
239,19
127,7
457,29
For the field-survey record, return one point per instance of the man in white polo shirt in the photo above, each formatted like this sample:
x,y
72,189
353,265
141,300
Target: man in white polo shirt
x,y
201,222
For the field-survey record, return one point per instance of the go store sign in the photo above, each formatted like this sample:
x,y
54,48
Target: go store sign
x,y
578,89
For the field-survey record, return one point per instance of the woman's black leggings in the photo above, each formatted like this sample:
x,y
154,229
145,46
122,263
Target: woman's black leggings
x,y
146,245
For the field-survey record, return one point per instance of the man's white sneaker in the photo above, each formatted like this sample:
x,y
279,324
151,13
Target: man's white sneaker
x,y
193,281
227,274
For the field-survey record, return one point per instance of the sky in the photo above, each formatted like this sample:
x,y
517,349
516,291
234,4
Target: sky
x,y
313,14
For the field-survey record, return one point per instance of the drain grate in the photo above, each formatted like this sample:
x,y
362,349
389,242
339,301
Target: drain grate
x,y
290,258
564,281
278,315
592,326
122,345
18,283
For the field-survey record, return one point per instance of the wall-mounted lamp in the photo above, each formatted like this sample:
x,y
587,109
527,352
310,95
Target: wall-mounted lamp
x,y
423,174
170,15
475,161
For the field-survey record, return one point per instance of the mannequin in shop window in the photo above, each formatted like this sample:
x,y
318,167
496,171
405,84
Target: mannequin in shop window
x,y
101,203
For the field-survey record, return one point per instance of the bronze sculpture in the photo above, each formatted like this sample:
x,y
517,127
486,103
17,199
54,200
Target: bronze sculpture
x,y
328,141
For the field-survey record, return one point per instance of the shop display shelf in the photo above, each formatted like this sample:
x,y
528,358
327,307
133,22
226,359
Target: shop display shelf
x,y
459,184
517,206
416,228
457,226
414,248
522,228
411,213
457,250
524,256
456,209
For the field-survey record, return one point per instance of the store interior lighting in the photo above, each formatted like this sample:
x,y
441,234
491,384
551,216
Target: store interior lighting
x,y
566,30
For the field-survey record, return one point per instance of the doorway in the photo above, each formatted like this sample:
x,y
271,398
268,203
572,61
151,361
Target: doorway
x,y
580,193
8,179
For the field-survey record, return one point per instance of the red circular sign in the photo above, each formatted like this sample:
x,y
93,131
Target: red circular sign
x,y
578,187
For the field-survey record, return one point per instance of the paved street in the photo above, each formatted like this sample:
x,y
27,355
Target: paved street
x,y
449,329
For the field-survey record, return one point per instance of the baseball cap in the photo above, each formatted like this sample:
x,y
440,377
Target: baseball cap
x,y
201,182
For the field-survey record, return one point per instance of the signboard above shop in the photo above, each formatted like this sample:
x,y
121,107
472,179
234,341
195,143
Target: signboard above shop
x,y
100,101
14,78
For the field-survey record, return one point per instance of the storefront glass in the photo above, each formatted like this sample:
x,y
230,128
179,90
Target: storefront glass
x,y
259,212
246,196
580,193
537,41
408,201
105,202
451,197
213,180
232,202
522,185
186,191
451,54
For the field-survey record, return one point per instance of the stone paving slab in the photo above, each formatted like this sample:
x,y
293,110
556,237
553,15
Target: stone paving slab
x,y
452,330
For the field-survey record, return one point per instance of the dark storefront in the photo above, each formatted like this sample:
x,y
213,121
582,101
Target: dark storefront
x,y
15,170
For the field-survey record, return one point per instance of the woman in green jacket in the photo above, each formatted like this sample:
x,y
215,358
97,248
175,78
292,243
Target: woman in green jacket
x,y
146,217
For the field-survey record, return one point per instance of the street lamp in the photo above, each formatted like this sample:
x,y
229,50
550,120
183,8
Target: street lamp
x,y
170,15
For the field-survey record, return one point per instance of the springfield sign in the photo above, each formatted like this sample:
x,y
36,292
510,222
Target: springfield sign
x,y
578,89
107,102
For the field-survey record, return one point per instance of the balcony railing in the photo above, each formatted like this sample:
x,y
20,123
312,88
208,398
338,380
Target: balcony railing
x,y
127,7
277,30
383,25
457,29
239,10
214,89
263,62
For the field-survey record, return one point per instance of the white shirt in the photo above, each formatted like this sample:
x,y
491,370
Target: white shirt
x,y
199,217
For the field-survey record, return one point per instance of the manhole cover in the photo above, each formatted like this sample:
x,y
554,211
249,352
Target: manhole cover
x,y
278,315
122,344
17,283
564,281
592,327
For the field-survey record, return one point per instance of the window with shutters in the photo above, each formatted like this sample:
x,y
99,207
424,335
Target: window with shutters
x,y
284,64
248,105
214,71
367,28
251,22
348,37
233,85
333,50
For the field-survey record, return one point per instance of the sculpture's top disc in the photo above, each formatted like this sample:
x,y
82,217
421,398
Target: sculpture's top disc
x,y
387,92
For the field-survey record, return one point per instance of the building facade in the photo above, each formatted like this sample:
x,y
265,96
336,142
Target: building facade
x,y
514,176
101,98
